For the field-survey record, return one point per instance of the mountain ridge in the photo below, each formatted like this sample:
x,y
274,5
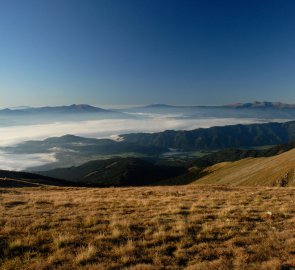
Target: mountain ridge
x,y
26,179
237,105
115,172
218,137
261,105
74,108
87,107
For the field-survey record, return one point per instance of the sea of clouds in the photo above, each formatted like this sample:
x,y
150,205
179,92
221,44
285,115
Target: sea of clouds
x,y
20,162
106,128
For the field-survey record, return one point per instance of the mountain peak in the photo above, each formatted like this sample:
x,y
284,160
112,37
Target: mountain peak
x,y
158,105
262,105
74,108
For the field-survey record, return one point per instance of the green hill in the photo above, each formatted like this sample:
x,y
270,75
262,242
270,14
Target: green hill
x,y
116,172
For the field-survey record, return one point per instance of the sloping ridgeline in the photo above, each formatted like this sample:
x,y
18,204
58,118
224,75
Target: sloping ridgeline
x,y
116,172
23,179
234,136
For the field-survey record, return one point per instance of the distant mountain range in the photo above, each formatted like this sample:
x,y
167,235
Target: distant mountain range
x,y
234,136
159,105
81,108
85,108
247,105
252,110
261,105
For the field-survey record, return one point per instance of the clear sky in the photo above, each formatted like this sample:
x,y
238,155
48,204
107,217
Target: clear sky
x,y
146,51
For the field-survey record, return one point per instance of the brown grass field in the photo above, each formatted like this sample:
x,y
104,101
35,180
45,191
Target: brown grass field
x,y
183,227
278,170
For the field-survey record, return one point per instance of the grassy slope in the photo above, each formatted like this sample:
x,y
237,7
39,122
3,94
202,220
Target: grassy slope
x,y
267,171
147,228
23,179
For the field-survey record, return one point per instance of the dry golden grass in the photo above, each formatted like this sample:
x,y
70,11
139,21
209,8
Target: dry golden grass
x,y
277,170
183,227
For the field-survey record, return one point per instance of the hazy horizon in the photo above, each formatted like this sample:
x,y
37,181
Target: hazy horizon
x,y
123,106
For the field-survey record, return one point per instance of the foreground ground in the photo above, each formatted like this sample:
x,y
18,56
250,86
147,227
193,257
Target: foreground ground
x,y
183,227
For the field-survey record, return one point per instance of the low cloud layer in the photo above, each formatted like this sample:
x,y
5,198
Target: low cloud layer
x,y
107,128
22,161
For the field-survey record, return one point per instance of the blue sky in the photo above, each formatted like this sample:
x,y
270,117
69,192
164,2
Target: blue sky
x,y
147,51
